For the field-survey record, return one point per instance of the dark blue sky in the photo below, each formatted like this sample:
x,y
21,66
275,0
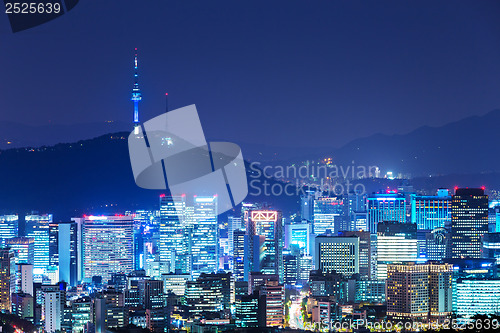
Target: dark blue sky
x,y
276,72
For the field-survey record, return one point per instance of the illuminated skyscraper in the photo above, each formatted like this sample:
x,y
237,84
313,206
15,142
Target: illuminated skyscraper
x,y
7,278
419,291
265,239
239,255
385,207
396,242
431,212
337,254
365,255
37,227
8,227
204,238
107,246
172,235
67,233
330,213
24,249
469,222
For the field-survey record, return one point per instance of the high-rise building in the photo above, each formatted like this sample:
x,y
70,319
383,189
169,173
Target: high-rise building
x,y
172,239
53,311
210,295
205,236
233,224
330,213
239,237
265,239
25,272
477,296
469,222
396,242
385,207
175,283
337,254
107,246
247,310
431,212
307,205
67,249
7,278
274,297
419,291
9,227
37,227
491,246
23,306
365,252
81,313
24,249
436,243
299,234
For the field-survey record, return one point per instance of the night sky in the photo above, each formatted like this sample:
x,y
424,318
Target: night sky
x,y
282,73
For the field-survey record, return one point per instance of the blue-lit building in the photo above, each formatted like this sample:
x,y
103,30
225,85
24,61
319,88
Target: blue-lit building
x,y
491,246
265,240
172,237
9,227
469,222
385,207
299,234
37,227
330,213
477,296
431,212
205,236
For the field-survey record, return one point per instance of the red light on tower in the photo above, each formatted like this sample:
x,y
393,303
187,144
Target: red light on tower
x,y
162,195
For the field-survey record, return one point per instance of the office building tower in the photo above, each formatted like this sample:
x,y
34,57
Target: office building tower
x,y
107,246
172,222
233,224
330,213
24,249
385,207
265,239
469,222
23,306
477,296
431,212
324,284
300,235
205,236
175,283
436,244
407,292
53,245
491,246
53,311
7,278
247,311
239,237
37,227
396,242
25,272
274,299
81,313
365,251
371,291
290,265
305,264
419,291
209,295
357,211
337,254
67,249
307,205
9,227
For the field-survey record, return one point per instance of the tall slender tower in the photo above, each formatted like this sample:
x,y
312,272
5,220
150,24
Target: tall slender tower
x,y
136,96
